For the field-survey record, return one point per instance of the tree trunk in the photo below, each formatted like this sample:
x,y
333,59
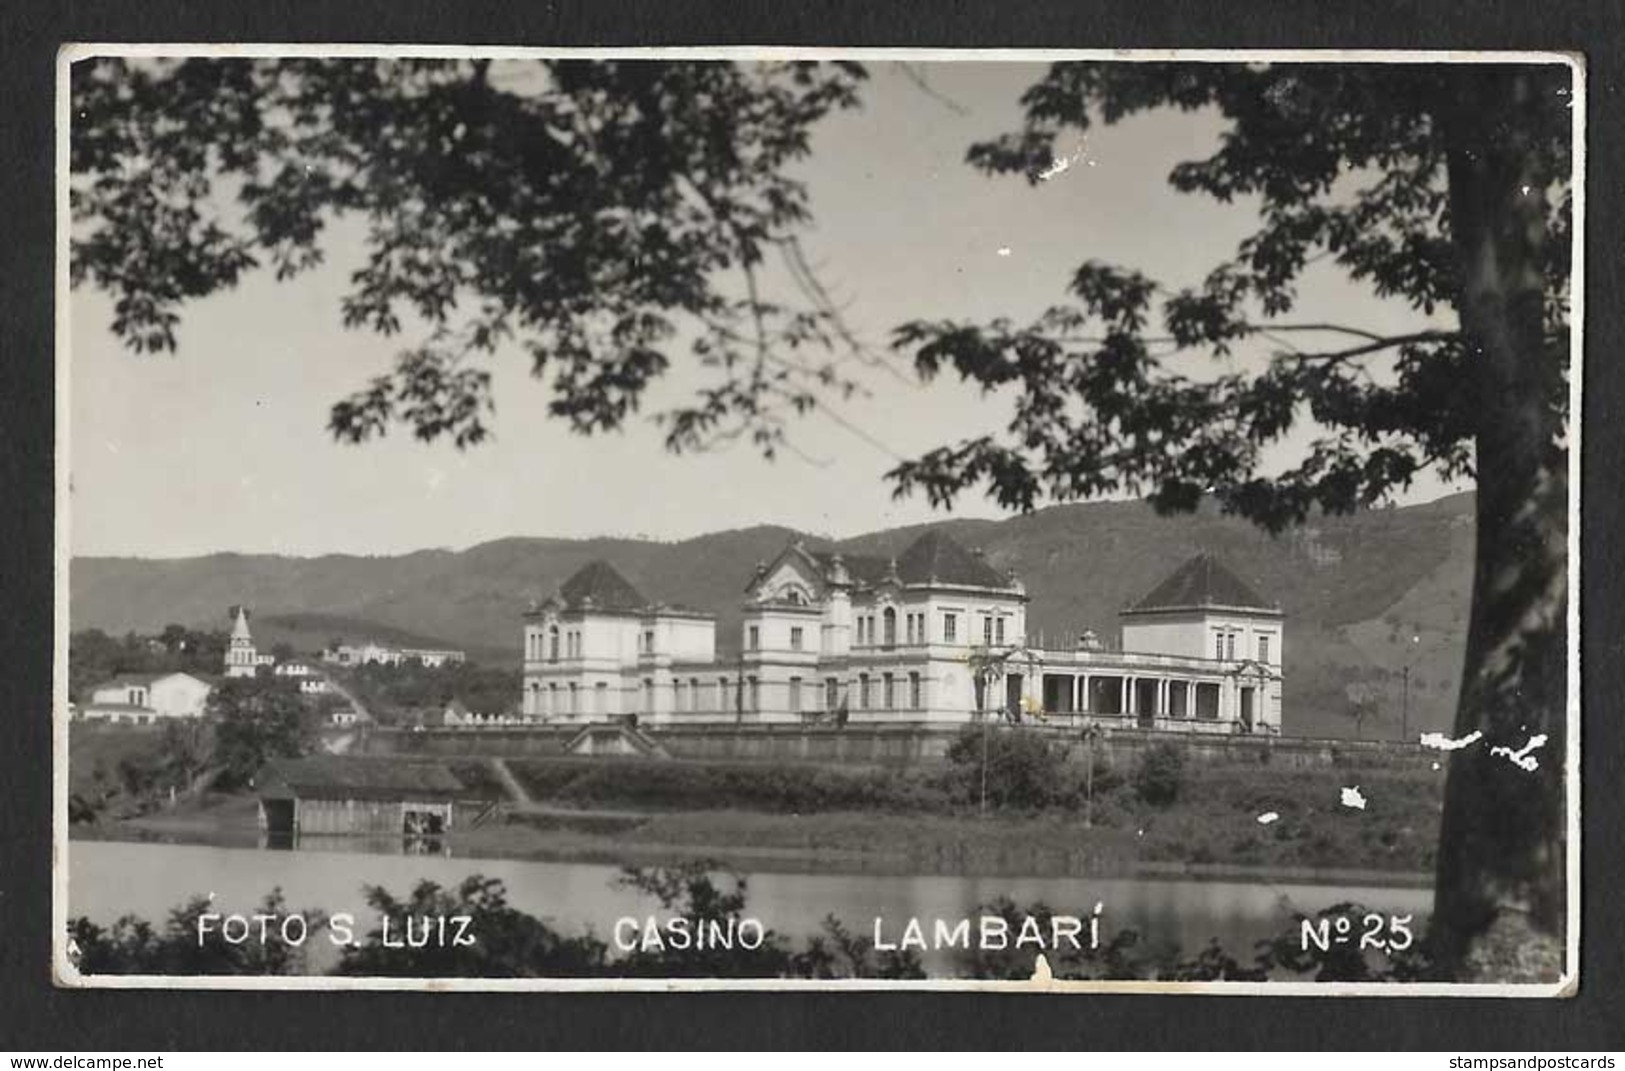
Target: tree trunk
x,y
1500,904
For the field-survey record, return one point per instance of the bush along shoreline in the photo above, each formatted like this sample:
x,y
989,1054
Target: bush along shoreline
x,y
503,942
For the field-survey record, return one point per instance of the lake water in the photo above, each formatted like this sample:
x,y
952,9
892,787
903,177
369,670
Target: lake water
x,y
109,879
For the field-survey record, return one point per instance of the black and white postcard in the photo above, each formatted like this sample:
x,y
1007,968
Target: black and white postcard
x,y
787,518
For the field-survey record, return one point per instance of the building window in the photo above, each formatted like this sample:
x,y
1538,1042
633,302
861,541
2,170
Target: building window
x,y
600,698
889,623
754,638
755,693
832,693
915,699
552,699
863,691
1264,649
987,631
795,638
648,695
887,694
575,699
649,641
998,631
553,644
678,695
1218,646
723,702
1230,646
795,694
950,628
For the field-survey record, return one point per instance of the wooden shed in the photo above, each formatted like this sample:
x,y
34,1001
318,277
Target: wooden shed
x,y
359,795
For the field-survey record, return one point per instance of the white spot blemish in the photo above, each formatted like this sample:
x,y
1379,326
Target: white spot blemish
x,y
1004,250
1522,757
1353,798
1058,167
1441,742
1267,817
1436,766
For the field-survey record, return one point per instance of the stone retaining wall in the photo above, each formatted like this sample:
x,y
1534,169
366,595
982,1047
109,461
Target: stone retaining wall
x,y
887,745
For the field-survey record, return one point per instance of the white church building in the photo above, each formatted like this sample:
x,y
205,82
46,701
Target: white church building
x,y
243,659
935,635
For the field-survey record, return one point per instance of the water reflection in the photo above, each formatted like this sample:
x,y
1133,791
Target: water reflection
x,y
352,844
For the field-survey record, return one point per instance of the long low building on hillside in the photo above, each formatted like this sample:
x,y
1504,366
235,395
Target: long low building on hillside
x,y
936,635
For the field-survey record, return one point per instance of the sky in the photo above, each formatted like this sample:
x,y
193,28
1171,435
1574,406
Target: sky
x,y
223,446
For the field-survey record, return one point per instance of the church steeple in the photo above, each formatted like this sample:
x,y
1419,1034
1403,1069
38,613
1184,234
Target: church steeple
x,y
242,660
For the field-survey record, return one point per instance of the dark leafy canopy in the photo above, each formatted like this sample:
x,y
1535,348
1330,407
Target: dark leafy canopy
x,y
589,211
1348,164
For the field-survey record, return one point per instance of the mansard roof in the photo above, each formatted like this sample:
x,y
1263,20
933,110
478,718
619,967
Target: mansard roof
x,y
935,558
1203,583
865,569
599,584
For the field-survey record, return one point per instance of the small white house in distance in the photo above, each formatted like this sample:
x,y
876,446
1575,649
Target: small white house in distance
x,y
145,698
371,653
311,680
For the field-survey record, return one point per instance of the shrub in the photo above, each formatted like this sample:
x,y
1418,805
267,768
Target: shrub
x,y
1024,769
1159,773
777,787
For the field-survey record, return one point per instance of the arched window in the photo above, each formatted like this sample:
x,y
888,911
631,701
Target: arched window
x,y
553,644
889,624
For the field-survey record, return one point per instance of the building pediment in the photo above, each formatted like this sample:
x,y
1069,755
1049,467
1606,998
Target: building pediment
x,y
794,578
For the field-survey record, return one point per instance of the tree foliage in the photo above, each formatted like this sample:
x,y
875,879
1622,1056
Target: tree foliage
x,y
1347,164
1159,773
95,657
1024,769
601,215
133,945
257,720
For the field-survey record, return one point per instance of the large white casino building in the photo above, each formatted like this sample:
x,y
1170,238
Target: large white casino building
x,y
935,635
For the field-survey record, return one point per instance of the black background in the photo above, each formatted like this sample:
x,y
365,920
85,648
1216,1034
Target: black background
x,y
34,1015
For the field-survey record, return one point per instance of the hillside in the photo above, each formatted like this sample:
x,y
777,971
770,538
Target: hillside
x,y
1363,594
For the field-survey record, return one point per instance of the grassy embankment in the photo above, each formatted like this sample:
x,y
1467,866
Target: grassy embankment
x,y
928,820
920,820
